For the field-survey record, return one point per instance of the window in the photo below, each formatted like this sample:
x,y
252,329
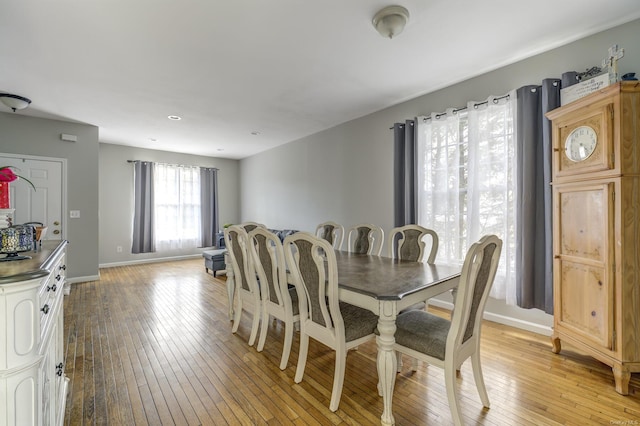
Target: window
x,y
177,207
466,182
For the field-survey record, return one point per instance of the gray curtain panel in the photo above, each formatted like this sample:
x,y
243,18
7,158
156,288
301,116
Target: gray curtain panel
x,y
404,173
209,205
534,243
143,222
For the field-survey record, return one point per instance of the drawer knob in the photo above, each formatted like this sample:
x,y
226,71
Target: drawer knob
x,y
45,309
58,277
63,267
593,313
59,369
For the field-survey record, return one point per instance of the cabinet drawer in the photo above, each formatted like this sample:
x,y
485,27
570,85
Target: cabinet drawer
x,y
50,289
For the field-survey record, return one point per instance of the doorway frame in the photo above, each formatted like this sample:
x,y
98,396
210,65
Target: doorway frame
x,y
63,190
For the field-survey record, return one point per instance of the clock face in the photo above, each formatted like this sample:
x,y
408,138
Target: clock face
x,y
580,143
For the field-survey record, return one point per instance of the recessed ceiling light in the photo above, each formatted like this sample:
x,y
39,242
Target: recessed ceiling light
x,y
220,149
153,139
174,117
255,133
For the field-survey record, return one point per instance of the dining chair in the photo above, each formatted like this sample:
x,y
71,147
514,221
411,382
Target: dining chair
x,y
247,290
338,325
410,244
365,238
278,300
250,226
447,344
332,232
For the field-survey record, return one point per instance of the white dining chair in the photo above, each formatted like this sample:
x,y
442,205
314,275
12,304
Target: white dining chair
x,y
338,325
410,244
447,344
247,290
332,232
278,300
250,226
365,238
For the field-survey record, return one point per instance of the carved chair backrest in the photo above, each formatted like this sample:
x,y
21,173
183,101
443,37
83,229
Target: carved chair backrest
x,y
407,243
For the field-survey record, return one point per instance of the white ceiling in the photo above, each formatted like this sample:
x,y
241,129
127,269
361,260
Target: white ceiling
x,y
283,68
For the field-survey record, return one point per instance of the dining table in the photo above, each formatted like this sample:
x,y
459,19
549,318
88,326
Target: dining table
x,y
385,286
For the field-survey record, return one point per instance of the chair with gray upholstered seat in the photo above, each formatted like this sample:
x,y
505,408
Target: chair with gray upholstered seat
x,y
410,244
247,291
338,325
332,232
447,344
365,238
278,299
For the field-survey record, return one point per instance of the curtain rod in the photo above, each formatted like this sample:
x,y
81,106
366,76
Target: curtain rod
x,y
170,164
456,110
476,105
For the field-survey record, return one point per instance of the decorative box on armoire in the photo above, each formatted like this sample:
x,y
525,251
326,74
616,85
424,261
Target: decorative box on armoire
x,y
596,227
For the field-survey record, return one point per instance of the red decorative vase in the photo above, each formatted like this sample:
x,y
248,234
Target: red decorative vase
x,y
4,195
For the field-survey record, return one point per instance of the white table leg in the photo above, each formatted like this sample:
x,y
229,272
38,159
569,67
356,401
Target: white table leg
x,y
387,362
230,284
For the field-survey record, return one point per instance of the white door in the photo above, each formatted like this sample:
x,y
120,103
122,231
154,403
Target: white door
x,y
45,203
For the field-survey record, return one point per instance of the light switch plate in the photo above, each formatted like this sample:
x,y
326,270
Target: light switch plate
x,y
73,214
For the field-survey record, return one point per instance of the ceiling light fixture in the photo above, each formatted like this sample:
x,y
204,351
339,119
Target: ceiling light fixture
x,y
174,117
14,101
390,21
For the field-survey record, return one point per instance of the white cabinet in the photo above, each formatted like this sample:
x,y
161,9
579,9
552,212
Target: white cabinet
x,y
32,383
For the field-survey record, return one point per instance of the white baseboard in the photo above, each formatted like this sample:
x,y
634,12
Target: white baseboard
x,y
154,260
130,262
502,319
83,279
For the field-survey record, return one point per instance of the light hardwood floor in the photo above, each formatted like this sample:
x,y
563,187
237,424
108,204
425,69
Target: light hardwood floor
x,y
152,344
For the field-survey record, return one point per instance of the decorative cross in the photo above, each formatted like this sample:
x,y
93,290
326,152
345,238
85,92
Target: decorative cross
x,y
612,62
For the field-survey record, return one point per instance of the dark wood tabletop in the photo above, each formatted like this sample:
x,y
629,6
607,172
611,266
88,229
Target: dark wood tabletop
x,y
384,278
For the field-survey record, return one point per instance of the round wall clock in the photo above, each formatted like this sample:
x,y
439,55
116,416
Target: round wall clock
x,y
580,143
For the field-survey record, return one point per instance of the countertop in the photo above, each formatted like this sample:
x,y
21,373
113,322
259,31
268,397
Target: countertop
x,y
38,266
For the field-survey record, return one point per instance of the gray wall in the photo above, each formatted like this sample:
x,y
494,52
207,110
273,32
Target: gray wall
x,y
345,173
100,185
41,137
116,198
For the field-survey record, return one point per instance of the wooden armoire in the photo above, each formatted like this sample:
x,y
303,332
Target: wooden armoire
x,y
596,227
